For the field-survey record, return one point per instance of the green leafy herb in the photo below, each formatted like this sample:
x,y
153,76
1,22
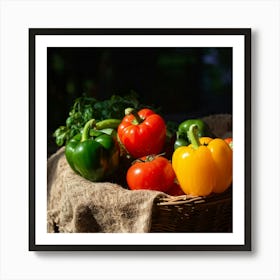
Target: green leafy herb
x,y
86,108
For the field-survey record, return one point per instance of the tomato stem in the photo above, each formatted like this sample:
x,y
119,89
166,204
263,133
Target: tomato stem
x,y
193,136
148,158
133,111
138,160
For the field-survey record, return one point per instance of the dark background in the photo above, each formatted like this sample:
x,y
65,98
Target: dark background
x,y
183,82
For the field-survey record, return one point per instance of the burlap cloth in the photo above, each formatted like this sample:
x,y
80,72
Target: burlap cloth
x,y
78,205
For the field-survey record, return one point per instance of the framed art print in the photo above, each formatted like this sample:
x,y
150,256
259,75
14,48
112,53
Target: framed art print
x,y
140,139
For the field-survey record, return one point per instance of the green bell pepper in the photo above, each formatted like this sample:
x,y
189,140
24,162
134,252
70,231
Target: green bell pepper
x,y
182,138
94,154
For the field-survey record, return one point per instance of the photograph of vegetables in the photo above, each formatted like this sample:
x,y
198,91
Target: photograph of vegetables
x,y
139,139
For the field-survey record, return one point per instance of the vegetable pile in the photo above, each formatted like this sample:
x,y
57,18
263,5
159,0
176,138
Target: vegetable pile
x,y
120,138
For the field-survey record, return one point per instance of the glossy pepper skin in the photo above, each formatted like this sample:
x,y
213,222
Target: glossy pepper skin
x,y
142,133
182,138
204,166
93,157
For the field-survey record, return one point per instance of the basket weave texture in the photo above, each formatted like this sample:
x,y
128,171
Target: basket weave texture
x,y
193,214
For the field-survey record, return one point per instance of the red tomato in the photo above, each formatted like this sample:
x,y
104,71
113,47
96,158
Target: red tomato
x,y
143,133
152,173
175,190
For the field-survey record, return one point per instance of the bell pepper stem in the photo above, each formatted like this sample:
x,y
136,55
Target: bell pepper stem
x,y
133,111
105,124
109,123
193,136
86,130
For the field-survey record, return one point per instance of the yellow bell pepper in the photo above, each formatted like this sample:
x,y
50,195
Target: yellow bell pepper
x,y
204,166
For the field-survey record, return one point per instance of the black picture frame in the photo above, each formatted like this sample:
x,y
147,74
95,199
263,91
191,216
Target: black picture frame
x,y
33,165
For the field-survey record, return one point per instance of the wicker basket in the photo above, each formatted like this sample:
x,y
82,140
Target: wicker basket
x,y
193,214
